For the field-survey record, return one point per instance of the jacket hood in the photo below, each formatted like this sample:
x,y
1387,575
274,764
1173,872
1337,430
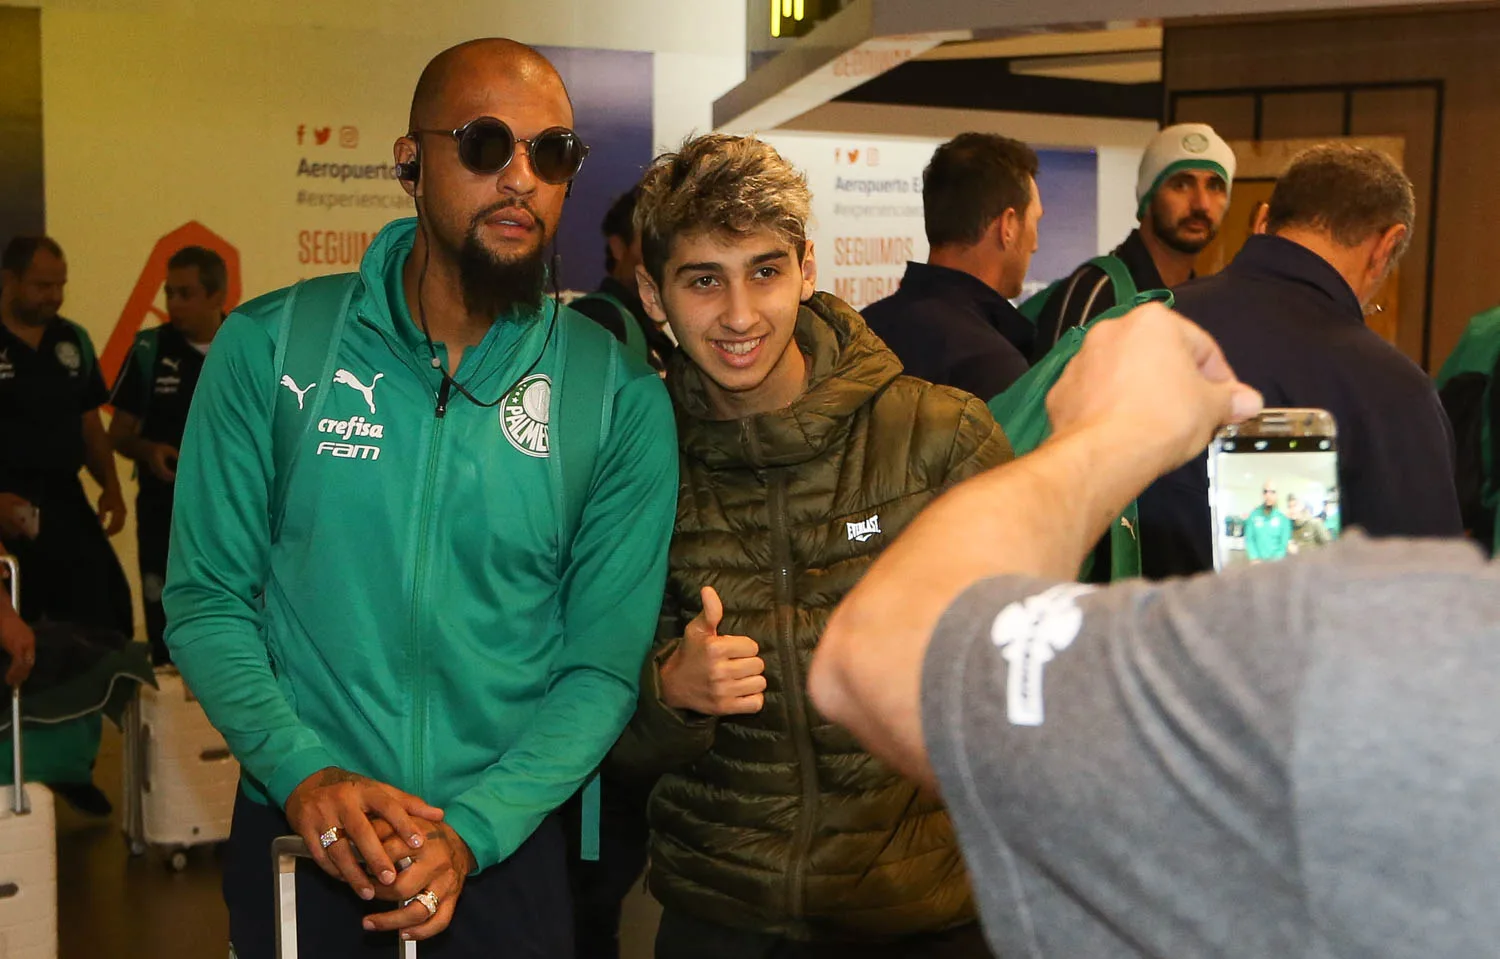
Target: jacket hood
x,y
847,367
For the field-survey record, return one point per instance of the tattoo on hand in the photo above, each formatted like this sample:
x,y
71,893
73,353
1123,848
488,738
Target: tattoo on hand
x,y
333,776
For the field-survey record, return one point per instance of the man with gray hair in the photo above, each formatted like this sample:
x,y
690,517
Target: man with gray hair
x,y
1289,314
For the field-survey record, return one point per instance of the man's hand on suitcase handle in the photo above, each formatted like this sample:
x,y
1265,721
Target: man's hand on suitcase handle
x,y
334,797
441,866
17,639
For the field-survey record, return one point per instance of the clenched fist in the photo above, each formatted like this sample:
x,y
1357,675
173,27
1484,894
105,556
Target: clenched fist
x,y
712,674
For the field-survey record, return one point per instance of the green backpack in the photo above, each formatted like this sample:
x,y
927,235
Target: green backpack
x,y
635,339
1466,386
312,325
1022,412
1113,267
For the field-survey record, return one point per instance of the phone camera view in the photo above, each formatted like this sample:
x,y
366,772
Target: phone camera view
x,y
1275,497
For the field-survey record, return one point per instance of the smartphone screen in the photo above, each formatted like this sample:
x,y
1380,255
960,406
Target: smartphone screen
x,y
1273,483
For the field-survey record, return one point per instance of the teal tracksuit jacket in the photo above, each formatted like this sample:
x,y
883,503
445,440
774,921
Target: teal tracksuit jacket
x,y
413,621
1267,534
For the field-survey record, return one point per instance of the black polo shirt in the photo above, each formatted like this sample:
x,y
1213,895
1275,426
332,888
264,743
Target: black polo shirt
x,y
156,385
44,393
1292,328
1087,292
950,327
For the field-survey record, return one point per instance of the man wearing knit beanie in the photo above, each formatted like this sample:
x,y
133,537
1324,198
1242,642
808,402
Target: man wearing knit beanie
x,y
1182,194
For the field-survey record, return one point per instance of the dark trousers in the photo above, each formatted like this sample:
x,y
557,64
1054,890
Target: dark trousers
x,y
70,573
599,887
153,529
519,909
684,937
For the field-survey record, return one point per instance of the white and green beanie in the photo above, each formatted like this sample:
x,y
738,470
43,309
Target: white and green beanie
x,y
1186,146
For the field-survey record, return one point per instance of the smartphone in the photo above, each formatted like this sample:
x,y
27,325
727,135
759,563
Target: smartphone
x,y
1273,487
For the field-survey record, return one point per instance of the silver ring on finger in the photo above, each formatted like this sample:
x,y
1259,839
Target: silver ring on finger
x,y
427,898
330,836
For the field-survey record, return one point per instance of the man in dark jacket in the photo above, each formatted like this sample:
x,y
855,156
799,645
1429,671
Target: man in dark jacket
x,y
616,305
951,322
151,398
803,450
1289,314
50,430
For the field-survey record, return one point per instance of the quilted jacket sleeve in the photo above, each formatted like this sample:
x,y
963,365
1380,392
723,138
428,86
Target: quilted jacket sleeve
x,y
659,737
979,444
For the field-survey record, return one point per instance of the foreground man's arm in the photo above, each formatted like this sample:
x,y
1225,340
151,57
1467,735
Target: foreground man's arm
x,y
1143,396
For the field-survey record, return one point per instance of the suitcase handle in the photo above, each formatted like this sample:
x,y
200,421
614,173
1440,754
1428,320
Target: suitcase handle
x,y
285,851
20,802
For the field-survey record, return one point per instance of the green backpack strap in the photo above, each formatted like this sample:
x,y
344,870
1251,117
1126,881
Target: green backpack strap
x,y
1033,305
635,338
1021,412
312,323
1124,534
582,410
1119,277
143,356
1114,268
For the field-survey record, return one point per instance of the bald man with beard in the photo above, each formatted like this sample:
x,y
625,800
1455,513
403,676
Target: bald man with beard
x,y
416,619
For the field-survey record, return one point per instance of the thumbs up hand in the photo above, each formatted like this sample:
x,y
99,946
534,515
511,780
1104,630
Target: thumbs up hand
x,y
712,674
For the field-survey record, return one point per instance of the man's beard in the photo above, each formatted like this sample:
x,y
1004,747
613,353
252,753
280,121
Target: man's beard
x,y
494,287
28,315
1174,240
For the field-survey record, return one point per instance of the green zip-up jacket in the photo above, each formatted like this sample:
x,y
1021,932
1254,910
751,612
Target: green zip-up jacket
x,y
412,622
1267,534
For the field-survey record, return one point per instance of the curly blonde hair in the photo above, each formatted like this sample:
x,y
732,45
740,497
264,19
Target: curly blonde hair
x,y
722,184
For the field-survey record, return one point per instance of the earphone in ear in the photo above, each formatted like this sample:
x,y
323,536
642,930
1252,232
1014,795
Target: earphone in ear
x,y
411,170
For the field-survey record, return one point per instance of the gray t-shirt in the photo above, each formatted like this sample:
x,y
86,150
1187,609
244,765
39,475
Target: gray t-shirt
x,y
1294,759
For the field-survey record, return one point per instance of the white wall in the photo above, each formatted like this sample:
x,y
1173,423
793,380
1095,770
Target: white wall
x,y
1117,174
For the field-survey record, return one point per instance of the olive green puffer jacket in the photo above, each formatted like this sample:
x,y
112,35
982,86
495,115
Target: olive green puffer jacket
x,y
779,822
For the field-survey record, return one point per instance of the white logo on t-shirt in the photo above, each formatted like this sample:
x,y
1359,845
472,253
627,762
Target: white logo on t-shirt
x,y
1029,634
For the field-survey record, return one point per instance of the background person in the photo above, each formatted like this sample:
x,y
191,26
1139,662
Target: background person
x,y
50,429
951,322
151,400
1182,194
618,301
1288,313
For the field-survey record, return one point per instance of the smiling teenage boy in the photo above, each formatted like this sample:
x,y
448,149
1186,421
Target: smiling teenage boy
x,y
803,450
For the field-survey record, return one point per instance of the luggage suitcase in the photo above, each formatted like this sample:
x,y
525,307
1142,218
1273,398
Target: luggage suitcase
x,y
180,779
284,855
28,848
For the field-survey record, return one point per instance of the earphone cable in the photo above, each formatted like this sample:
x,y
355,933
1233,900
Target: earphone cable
x,y
448,382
